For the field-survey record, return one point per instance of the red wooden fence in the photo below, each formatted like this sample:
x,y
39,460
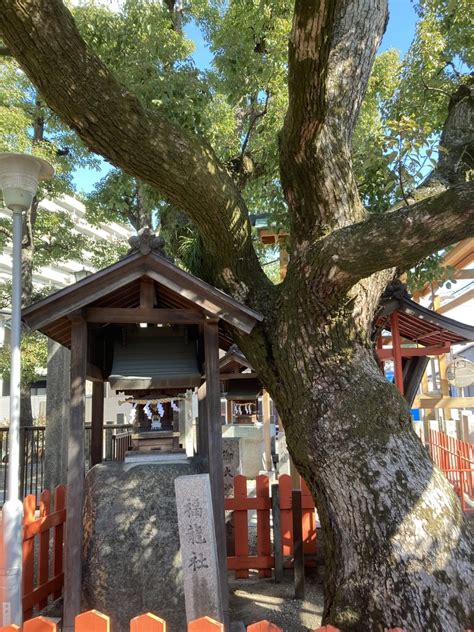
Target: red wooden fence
x,y
241,562
94,621
456,459
41,535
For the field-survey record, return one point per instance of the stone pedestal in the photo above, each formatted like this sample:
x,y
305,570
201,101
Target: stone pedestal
x,y
132,559
251,446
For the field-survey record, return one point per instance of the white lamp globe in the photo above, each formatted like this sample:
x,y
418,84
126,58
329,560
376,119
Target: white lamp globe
x,y
19,177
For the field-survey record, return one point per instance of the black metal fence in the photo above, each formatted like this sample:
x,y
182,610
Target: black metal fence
x,y
31,460
32,455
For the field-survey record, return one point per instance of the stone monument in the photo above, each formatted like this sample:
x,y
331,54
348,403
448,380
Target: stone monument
x,y
202,588
232,464
131,555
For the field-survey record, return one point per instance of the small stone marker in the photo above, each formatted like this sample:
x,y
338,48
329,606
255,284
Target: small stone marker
x,y
202,590
232,465
284,456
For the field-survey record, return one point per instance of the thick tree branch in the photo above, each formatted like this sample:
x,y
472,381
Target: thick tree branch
x,y
331,51
112,122
399,238
456,155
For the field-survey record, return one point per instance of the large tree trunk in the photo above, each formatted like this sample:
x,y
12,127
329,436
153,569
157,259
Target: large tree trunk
x,y
397,543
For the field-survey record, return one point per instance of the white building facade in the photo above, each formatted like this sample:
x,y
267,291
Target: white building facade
x,y
55,277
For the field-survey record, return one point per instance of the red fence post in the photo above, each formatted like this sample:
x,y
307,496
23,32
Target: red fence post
x,y
29,508
205,624
92,621
309,520
263,626
241,524
264,545
286,519
45,510
147,623
39,624
59,505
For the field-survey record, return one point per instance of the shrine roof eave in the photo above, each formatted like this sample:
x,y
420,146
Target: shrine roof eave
x,y
455,331
234,356
45,314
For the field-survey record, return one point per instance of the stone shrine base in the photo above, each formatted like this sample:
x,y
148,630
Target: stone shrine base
x,y
131,555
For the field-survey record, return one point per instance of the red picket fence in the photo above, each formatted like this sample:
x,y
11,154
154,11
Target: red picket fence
x,y
94,621
456,459
241,562
41,534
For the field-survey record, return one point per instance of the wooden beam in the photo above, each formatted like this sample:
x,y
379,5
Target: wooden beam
x,y
135,315
215,459
238,376
94,374
460,300
97,425
207,298
411,352
75,476
462,254
229,411
202,445
267,454
397,357
78,298
443,402
147,292
458,257
464,274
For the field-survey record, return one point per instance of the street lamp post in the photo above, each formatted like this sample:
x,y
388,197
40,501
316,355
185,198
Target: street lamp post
x,y
19,176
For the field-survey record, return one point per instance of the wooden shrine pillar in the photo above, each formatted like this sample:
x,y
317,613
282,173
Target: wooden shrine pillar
x,y
75,475
97,425
397,351
379,345
229,411
215,457
267,440
203,423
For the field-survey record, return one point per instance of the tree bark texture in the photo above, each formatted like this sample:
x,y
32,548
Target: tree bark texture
x,y
397,542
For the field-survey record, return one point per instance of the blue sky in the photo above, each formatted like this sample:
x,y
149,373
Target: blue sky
x,y
399,34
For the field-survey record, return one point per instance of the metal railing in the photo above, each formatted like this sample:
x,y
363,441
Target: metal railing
x,y
111,431
31,461
32,454
121,443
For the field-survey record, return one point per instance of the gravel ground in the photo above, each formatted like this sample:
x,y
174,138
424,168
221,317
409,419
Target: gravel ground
x,y
255,599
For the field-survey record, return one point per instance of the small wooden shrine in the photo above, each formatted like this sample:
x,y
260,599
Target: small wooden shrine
x,y
416,334
242,389
151,330
240,386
